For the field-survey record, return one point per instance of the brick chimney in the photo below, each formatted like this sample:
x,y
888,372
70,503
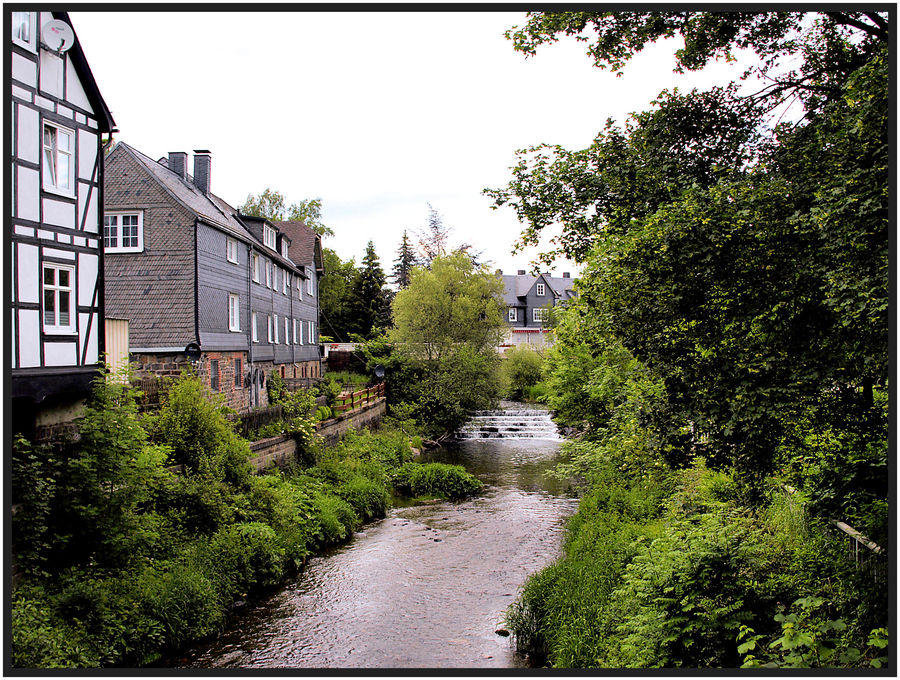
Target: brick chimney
x,y
202,169
178,163
521,272
567,275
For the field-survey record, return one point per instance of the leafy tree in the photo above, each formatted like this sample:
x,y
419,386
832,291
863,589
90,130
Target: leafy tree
x,y
370,302
440,358
406,260
271,205
452,303
745,268
335,294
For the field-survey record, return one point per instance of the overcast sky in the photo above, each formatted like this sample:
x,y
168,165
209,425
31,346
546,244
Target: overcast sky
x,y
378,114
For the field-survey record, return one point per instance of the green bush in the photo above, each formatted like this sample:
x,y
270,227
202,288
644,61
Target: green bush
x,y
520,370
193,422
245,557
367,498
335,518
435,479
42,640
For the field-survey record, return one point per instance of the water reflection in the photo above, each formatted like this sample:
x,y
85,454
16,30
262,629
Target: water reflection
x,y
426,587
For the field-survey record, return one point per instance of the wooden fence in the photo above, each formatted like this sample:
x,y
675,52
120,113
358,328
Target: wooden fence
x,y
352,400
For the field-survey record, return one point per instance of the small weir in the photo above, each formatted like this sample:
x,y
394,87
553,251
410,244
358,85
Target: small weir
x,y
510,423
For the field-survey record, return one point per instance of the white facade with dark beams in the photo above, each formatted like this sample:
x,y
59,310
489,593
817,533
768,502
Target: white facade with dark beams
x,y
54,218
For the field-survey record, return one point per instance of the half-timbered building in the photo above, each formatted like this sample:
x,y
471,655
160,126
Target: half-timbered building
x,y
58,118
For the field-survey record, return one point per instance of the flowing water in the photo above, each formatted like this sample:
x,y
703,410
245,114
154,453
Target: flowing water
x,y
427,586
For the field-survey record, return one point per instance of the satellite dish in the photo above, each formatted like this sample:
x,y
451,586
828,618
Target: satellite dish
x,y
379,371
57,35
193,351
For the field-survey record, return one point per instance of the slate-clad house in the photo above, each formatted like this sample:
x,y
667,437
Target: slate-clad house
x,y
528,299
57,116
185,268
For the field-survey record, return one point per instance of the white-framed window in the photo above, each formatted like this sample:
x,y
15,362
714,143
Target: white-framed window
x,y
59,159
285,282
311,327
268,274
539,290
284,247
295,331
234,312
287,337
276,330
231,250
24,29
512,314
309,285
539,314
123,232
269,322
299,289
254,266
269,237
300,323
59,298
254,333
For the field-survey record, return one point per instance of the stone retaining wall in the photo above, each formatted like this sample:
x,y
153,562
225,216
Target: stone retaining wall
x,y
282,450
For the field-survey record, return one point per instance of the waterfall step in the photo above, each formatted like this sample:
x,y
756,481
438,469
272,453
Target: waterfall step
x,y
509,423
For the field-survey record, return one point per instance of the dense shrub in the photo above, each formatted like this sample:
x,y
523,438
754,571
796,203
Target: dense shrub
x,y
435,479
193,422
245,557
367,498
520,371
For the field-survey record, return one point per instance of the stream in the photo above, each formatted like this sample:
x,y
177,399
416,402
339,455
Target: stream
x,y
426,587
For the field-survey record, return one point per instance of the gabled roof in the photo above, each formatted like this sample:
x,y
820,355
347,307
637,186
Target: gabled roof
x,y
104,118
208,207
517,286
306,244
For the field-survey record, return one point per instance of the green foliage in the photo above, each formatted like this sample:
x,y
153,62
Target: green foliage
x,y
194,424
245,557
271,205
520,370
335,295
808,639
435,479
440,359
42,640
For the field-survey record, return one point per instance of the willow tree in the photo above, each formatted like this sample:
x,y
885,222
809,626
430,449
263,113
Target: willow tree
x,y
443,359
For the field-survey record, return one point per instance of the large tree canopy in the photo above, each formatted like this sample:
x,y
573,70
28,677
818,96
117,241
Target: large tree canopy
x,y
745,265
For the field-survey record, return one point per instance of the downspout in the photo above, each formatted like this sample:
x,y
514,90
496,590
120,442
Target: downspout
x,y
249,306
197,284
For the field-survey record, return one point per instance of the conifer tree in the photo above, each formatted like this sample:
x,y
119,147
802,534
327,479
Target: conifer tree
x,y
406,260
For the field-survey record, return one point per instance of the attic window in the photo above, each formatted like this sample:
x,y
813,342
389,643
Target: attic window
x,y
284,247
539,290
269,237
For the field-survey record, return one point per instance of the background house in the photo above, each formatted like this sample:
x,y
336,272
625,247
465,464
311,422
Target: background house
x,y
56,293
528,299
186,269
